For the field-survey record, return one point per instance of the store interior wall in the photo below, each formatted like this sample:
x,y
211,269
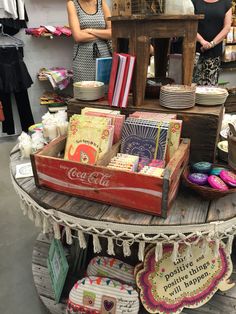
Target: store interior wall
x,y
43,52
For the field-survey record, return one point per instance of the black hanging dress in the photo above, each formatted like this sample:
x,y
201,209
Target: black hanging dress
x,y
14,79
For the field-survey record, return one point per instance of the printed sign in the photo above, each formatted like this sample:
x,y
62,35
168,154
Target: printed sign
x,y
167,287
58,267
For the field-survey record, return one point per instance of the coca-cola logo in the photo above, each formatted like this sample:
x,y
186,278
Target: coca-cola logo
x,y
92,178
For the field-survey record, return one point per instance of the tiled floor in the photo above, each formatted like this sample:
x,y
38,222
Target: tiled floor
x,y
17,237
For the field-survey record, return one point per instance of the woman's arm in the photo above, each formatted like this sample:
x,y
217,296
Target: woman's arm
x,y
223,33
205,44
103,33
220,36
78,34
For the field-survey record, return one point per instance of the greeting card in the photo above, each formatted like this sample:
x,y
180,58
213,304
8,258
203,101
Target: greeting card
x,y
145,138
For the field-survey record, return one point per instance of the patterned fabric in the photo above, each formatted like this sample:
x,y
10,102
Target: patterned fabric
x,y
206,72
85,54
96,295
111,267
58,77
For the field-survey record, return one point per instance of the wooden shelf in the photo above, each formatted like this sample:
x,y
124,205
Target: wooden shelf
x,y
50,36
221,302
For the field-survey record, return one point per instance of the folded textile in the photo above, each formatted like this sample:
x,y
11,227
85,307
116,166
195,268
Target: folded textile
x,y
53,99
59,77
48,30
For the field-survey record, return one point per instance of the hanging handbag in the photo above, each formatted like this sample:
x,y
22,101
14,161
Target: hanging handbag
x,y
2,117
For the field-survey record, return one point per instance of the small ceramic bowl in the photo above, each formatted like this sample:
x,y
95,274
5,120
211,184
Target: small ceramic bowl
x,y
89,90
223,150
224,134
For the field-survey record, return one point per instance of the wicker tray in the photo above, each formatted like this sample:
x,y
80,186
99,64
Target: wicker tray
x,y
205,191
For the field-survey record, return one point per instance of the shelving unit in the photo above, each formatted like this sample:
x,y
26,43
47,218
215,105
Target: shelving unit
x,y
230,41
229,66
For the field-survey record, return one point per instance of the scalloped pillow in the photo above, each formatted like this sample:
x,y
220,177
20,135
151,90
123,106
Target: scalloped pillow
x,y
102,295
111,267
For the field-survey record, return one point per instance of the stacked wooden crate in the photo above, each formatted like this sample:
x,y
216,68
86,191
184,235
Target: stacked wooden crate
x,y
133,7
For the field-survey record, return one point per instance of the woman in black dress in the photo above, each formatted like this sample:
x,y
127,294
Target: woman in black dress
x,y
211,32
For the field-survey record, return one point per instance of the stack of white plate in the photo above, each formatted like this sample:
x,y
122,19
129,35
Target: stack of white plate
x,y
177,96
88,90
210,95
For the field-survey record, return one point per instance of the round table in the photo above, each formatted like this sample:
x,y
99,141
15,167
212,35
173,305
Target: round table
x,y
190,216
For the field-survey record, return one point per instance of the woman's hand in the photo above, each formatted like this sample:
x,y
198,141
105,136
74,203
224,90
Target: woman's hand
x,y
205,45
88,30
99,33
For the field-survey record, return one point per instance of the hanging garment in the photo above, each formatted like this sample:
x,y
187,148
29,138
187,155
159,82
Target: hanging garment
x,y
14,78
24,110
10,7
13,16
11,26
3,13
15,8
2,117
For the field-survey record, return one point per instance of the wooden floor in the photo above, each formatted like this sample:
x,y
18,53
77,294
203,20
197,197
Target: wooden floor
x,y
219,304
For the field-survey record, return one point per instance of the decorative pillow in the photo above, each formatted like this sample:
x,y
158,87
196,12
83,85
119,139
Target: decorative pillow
x,y
97,295
111,267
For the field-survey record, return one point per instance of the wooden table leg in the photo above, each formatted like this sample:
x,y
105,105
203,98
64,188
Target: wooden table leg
x,y
189,46
142,51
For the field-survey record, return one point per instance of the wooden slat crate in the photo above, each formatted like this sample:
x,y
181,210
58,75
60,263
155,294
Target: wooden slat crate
x,y
120,188
132,7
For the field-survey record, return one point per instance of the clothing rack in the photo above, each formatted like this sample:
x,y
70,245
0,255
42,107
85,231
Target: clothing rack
x,y
7,41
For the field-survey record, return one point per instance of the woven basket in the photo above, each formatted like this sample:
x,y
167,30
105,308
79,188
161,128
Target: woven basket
x,y
205,191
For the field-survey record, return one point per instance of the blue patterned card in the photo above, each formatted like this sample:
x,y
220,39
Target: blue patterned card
x,y
145,138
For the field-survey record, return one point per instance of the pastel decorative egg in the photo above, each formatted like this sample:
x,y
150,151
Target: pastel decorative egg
x,y
198,178
228,177
216,183
202,167
216,170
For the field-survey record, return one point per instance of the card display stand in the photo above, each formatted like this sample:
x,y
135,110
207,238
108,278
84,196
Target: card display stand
x,y
116,187
197,122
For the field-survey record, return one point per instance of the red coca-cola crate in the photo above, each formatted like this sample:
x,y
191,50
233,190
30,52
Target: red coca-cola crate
x,y
131,190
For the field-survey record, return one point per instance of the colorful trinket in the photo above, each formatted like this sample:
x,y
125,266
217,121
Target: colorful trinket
x,y
216,183
198,178
216,171
202,167
228,177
